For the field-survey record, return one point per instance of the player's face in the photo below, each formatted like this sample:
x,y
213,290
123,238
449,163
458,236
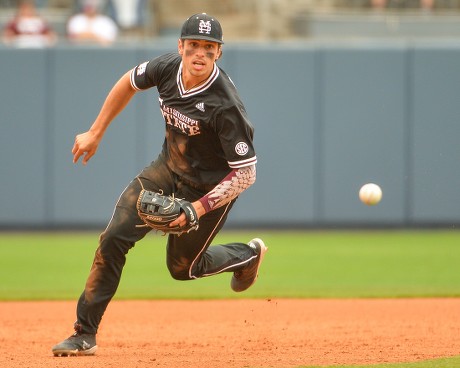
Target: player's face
x,y
198,57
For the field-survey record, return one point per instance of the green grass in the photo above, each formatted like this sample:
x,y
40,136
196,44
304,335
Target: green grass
x,y
310,264
437,363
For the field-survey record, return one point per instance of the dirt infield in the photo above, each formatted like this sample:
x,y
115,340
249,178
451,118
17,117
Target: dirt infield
x,y
236,333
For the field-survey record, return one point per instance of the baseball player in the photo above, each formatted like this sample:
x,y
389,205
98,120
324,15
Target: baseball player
x,y
207,158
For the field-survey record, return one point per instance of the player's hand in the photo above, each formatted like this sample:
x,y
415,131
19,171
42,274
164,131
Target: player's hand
x,y
85,144
182,219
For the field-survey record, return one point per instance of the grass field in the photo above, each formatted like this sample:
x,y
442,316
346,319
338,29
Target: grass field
x,y
309,264
438,363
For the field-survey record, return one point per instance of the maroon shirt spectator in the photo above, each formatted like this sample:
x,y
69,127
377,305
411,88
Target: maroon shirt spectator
x,y
28,28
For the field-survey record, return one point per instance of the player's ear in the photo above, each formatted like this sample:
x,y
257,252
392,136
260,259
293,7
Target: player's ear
x,y
180,46
219,53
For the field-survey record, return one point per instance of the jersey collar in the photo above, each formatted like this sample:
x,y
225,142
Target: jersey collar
x,y
202,87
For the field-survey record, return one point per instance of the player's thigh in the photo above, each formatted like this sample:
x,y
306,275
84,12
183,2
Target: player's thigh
x,y
187,247
157,178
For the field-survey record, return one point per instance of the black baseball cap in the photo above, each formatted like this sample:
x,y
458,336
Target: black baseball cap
x,y
202,27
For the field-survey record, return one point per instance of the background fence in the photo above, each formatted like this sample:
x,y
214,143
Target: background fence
x,y
328,118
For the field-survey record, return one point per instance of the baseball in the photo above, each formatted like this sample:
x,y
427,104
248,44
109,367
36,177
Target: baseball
x,y
370,194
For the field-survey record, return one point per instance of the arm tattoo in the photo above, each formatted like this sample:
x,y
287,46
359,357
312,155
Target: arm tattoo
x,y
229,188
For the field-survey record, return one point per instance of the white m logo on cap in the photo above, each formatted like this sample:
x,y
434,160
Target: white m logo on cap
x,y
204,27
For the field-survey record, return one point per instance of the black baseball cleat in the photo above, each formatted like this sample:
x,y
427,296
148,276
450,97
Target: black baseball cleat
x,y
77,344
247,276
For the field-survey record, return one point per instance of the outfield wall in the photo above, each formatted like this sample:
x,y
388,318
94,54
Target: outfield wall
x,y
328,119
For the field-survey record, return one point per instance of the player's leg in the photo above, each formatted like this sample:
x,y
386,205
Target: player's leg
x,y
114,243
104,277
190,256
123,231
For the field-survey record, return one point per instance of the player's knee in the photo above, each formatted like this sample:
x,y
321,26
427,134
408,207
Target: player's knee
x,y
179,271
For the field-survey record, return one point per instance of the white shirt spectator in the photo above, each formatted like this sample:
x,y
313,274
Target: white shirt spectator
x,y
91,26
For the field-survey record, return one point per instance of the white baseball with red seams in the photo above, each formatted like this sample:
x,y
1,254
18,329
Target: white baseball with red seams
x,y
370,194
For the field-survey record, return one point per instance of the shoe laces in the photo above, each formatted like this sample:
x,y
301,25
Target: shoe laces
x,y
74,335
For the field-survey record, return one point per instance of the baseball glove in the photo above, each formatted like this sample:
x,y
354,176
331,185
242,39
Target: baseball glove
x,y
158,211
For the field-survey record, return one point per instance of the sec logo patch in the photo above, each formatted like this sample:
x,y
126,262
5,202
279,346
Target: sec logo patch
x,y
241,148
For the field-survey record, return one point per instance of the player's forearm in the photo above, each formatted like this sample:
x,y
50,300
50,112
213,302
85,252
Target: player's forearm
x,y
116,101
229,188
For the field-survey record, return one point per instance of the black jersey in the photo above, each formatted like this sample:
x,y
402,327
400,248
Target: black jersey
x,y
208,132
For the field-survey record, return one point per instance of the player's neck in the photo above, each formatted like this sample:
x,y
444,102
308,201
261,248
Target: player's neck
x,y
193,83
190,82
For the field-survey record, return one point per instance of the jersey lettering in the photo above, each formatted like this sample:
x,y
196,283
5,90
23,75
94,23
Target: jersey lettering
x,y
178,120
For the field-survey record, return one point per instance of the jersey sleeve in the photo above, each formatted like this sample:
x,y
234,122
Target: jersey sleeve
x,y
141,78
149,73
236,136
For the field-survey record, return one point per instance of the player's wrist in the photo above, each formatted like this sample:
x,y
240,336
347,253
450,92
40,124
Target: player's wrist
x,y
96,132
203,205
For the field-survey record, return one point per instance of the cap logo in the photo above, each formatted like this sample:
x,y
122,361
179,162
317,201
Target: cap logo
x,y
204,26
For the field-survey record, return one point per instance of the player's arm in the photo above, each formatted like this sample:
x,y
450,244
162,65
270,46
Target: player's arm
x,y
87,143
227,190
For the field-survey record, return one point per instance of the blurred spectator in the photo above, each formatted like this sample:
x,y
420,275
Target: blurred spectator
x,y
382,4
28,28
91,26
128,13
378,4
427,4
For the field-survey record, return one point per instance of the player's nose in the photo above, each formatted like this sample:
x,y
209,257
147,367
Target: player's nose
x,y
200,51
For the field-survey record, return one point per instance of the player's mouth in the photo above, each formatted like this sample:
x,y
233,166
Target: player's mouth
x,y
199,64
